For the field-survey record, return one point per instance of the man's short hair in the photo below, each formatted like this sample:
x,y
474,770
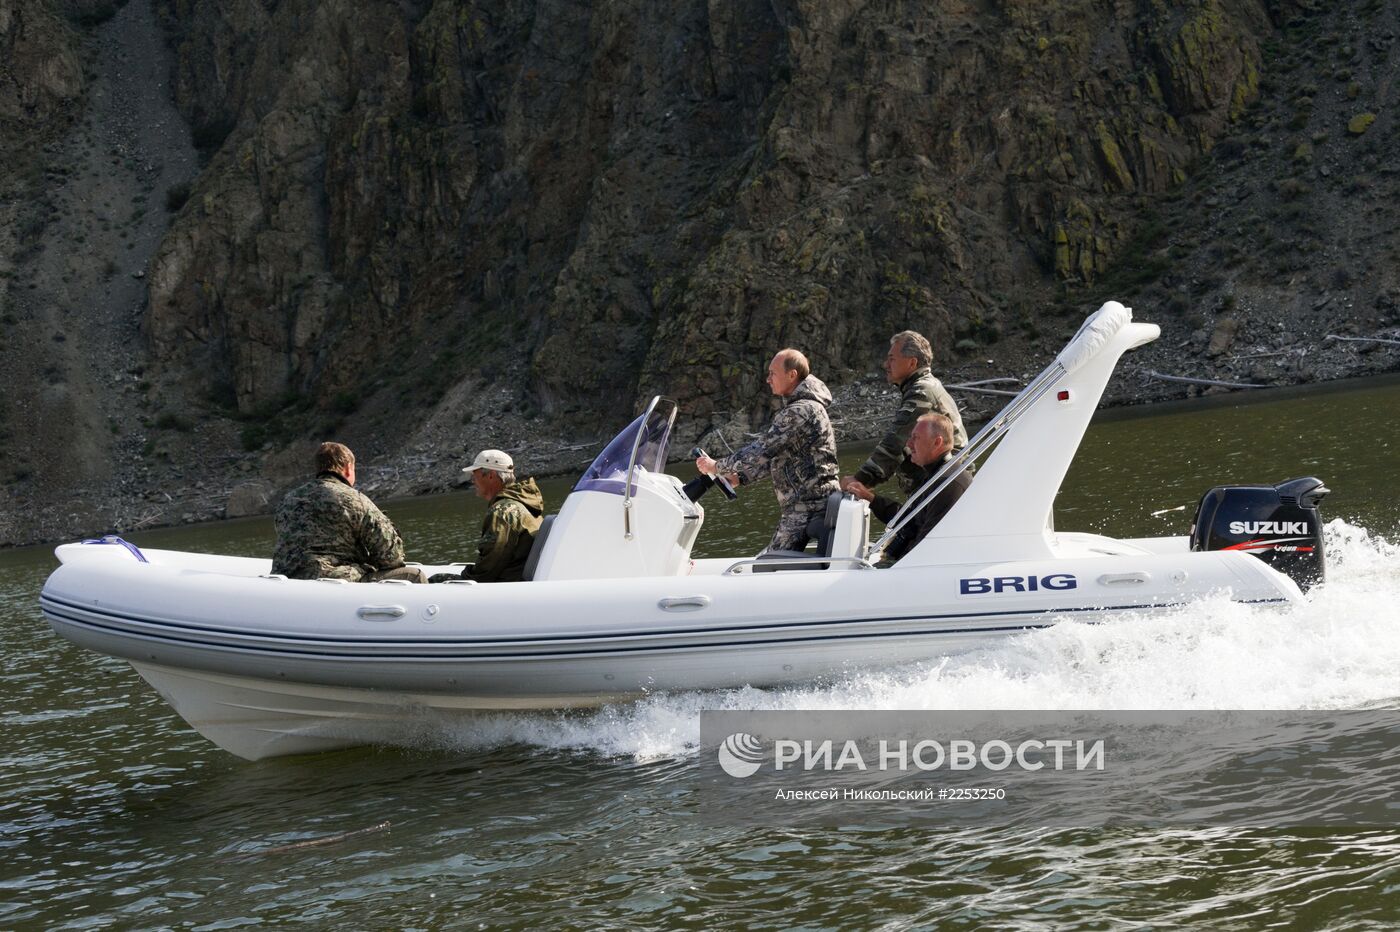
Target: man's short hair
x,y
939,425
506,476
912,344
334,457
794,361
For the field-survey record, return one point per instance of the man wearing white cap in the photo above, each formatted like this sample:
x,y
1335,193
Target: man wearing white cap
x,y
512,518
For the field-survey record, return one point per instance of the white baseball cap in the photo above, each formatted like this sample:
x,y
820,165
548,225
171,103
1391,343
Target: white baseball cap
x,y
495,460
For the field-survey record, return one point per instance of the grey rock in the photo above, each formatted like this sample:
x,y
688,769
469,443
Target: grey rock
x,y
249,498
1226,329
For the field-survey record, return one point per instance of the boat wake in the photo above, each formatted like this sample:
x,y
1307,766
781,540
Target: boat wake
x,y
1340,650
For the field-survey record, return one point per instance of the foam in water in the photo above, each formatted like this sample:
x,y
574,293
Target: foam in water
x,y
1340,650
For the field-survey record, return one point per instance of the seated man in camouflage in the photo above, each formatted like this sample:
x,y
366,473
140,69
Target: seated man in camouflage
x,y
798,450
327,530
930,449
513,517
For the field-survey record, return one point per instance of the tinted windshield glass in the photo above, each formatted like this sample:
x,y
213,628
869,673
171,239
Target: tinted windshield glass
x,y
608,471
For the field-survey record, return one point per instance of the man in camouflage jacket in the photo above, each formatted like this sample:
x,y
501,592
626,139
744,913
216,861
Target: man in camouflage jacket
x,y
513,517
327,530
798,450
907,366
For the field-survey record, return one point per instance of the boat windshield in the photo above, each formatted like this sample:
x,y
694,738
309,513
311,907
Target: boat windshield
x,y
649,435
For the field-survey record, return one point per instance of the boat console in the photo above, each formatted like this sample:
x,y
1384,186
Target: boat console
x,y
626,517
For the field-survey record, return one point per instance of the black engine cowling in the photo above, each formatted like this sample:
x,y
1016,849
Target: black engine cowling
x,y
1279,524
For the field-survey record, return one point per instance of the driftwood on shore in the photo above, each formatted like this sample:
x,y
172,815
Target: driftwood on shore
x,y
1296,351
1190,381
1334,336
979,387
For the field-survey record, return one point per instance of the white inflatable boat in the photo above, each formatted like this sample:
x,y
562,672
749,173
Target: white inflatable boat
x,y
614,606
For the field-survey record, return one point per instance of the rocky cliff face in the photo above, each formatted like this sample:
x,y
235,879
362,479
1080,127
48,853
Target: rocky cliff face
x,y
39,70
617,199
937,167
41,87
90,144
428,197
412,219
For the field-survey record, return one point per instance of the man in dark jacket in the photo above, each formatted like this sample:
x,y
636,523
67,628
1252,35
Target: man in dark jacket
x,y
930,447
327,530
513,517
798,450
907,366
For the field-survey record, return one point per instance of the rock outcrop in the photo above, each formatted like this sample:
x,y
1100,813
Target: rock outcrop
x,y
425,228
254,497
90,147
40,72
621,199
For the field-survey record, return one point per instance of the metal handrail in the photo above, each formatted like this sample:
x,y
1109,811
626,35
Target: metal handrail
x,y
860,562
632,459
1069,359
988,435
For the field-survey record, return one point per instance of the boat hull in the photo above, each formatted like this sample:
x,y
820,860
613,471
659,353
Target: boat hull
x,y
266,666
258,717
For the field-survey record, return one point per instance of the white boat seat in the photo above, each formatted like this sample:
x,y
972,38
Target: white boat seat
x,y
836,537
823,526
532,562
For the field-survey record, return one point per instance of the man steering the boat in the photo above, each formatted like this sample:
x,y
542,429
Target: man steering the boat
x,y
930,448
908,366
326,529
513,517
798,450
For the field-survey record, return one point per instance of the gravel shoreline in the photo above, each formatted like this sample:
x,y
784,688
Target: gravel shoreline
x,y
233,486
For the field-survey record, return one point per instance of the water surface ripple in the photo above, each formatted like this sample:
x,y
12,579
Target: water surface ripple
x,y
114,814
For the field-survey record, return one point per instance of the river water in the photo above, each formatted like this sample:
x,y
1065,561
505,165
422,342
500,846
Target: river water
x,y
113,813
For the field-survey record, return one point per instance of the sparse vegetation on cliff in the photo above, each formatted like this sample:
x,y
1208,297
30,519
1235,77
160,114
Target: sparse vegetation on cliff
x,y
515,219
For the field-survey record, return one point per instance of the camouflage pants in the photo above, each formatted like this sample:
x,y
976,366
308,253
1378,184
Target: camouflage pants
x,y
792,530
411,573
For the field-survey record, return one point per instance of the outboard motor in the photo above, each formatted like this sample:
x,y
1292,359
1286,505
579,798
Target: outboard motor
x,y
1279,524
